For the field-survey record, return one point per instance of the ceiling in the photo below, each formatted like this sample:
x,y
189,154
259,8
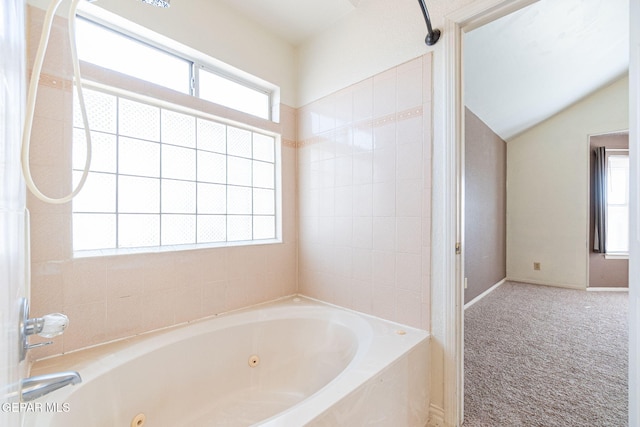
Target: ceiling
x,y
519,70
527,66
294,20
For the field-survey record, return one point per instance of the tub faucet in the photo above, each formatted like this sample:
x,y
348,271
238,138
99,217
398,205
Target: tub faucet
x,y
38,386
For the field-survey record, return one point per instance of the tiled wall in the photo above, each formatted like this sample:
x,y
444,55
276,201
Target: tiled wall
x,y
363,160
364,168
117,296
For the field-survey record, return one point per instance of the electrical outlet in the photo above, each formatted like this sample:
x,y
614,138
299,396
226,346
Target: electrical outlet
x,y
536,266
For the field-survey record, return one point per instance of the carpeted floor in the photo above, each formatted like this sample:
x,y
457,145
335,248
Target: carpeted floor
x,y
543,357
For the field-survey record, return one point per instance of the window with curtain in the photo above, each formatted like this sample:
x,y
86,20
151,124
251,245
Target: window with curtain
x,y
617,215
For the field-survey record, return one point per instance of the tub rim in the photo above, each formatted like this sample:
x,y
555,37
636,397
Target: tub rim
x,y
375,339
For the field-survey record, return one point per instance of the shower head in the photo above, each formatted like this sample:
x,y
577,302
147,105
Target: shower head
x,y
159,3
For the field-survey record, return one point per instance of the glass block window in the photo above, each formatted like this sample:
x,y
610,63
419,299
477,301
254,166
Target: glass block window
x,y
160,177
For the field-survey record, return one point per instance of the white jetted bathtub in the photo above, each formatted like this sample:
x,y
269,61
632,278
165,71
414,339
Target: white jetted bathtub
x,y
293,362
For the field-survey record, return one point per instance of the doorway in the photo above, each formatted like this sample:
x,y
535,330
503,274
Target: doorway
x,y
447,184
609,264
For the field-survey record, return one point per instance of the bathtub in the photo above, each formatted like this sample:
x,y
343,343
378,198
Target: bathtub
x,y
292,362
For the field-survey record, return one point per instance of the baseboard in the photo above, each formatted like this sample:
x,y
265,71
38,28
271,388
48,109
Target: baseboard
x,y
543,283
436,416
484,294
607,289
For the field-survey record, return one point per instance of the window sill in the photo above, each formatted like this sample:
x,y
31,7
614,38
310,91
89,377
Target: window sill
x,y
616,256
169,248
100,78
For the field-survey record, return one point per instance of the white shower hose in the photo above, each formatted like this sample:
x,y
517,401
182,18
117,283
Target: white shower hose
x,y
31,101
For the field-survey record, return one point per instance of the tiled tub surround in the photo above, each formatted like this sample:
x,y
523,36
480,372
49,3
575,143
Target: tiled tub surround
x,y
112,297
318,365
358,161
364,195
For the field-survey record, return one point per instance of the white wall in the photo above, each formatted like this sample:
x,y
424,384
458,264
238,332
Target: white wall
x,y
547,189
215,29
634,270
375,37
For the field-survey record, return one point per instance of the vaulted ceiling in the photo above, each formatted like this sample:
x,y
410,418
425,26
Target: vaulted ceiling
x,y
527,66
519,70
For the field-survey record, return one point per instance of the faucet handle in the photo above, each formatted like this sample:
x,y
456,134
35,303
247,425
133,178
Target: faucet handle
x,y
53,325
47,326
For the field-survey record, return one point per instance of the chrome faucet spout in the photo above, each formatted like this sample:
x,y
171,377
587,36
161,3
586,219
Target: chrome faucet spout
x,y
35,387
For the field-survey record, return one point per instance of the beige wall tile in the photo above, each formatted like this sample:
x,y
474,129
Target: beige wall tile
x,y
125,316
188,303
410,77
363,229
50,234
409,308
328,182
46,288
85,281
158,309
214,297
87,325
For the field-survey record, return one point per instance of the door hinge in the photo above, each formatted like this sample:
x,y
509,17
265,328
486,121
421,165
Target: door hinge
x,y
458,248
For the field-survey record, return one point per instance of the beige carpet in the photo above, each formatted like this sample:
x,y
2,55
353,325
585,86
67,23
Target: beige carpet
x,y
543,356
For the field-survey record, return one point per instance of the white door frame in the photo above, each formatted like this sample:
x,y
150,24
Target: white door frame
x,y
634,214
447,215
447,191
